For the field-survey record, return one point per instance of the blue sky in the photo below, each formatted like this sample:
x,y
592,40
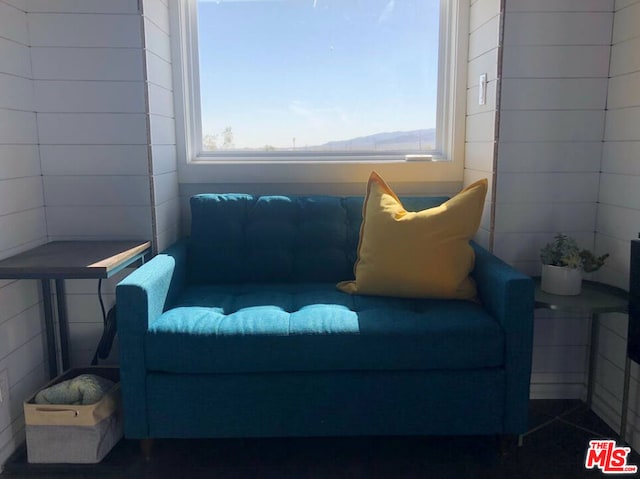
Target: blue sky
x,y
316,70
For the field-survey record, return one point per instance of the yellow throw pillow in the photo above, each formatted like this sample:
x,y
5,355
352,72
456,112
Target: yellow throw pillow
x,y
424,254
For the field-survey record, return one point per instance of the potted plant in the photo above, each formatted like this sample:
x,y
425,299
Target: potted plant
x,y
563,263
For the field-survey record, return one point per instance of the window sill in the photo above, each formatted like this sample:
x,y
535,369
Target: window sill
x,y
206,170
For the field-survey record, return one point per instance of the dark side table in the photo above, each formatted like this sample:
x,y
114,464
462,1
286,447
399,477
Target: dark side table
x,y
60,260
595,299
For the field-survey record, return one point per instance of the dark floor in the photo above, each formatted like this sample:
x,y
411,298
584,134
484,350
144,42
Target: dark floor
x,y
555,451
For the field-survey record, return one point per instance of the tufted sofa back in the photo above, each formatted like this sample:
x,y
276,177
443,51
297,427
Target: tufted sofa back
x,y
238,238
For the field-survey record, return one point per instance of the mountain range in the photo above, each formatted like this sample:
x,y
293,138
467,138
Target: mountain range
x,y
387,141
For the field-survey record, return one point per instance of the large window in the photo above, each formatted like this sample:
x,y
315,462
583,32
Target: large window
x,y
320,80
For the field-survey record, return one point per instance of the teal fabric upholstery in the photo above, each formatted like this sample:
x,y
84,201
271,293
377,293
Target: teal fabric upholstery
x,y
327,403
241,238
239,331
270,327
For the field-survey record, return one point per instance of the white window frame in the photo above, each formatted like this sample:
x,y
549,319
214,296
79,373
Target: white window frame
x,y
447,164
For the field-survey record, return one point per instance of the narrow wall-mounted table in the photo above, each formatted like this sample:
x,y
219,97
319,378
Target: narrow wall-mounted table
x,y
60,260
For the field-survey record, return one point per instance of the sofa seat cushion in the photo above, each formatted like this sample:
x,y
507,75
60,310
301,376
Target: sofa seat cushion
x,y
313,327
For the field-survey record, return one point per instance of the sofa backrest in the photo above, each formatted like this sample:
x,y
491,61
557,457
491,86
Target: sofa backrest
x,y
243,238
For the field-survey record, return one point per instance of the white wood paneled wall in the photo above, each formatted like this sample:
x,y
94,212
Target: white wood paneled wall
x,y
22,224
619,199
159,84
90,99
90,104
481,135
619,212
87,150
554,84
553,96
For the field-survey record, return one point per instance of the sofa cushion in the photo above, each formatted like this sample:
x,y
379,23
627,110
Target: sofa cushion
x,y
245,238
312,327
424,254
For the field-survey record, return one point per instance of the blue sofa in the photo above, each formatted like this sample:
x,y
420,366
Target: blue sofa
x,y
239,331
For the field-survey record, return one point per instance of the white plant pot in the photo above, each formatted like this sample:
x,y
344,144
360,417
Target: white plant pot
x,y
561,280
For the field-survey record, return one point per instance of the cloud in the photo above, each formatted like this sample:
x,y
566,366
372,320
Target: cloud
x,y
388,10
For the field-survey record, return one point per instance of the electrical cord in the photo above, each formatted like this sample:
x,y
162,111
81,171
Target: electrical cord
x,y
109,332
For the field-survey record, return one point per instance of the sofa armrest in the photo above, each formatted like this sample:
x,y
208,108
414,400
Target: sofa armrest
x,y
141,298
149,290
508,295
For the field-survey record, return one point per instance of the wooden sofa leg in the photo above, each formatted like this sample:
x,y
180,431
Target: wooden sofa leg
x,y
146,447
507,444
